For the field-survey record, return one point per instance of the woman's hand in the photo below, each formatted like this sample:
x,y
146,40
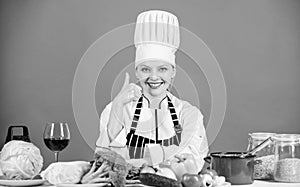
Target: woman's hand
x,y
129,92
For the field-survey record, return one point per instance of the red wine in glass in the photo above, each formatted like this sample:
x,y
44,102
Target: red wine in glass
x,y
56,137
56,144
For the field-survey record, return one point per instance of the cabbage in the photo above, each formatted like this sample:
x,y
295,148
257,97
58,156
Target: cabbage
x,y
20,160
65,172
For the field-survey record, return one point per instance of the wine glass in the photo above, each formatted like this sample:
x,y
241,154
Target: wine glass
x,y
56,137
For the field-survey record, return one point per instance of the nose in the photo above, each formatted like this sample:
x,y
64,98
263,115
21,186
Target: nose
x,y
154,75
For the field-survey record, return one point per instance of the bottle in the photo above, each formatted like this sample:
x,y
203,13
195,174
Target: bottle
x,y
287,158
265,159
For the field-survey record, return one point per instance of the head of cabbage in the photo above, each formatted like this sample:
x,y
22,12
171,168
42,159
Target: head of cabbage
x,y
20,160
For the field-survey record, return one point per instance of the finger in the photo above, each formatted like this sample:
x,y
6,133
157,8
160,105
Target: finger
x,y
130,94
138,92
139,88
135,98
135,87
126,81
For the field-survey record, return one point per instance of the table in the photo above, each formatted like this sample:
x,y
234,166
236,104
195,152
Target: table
x,y
257,183
260,183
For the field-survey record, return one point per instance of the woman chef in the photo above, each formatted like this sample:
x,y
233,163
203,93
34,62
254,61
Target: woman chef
x,y
149,113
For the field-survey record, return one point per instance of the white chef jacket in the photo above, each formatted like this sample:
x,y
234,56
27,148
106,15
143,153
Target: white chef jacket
x,y
193,136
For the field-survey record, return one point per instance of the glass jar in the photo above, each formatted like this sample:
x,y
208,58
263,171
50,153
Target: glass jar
x,y
287,158
265,159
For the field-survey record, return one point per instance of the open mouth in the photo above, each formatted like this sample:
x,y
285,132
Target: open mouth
x,y
154,85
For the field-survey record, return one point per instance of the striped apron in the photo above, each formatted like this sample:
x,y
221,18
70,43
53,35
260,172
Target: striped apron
x,y
136,143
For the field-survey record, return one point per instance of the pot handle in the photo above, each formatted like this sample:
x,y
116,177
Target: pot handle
x,y
207,159
251,163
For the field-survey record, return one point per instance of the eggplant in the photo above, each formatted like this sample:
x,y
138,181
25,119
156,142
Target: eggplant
x,y
152,179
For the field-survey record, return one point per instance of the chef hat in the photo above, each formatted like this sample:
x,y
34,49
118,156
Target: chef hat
x,y
156,37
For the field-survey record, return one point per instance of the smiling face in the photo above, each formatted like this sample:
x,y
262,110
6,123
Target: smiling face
x,y
155,77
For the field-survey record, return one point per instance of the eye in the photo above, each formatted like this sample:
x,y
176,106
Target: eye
x,y
163,69
145,69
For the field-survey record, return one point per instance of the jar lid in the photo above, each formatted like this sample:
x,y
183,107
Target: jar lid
x,y
287,137
261,135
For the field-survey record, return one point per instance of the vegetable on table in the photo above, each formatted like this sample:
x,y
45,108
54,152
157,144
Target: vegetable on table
x,y
148,169
210,172
191,180
107,163
166,172
153,179
182,164
20,160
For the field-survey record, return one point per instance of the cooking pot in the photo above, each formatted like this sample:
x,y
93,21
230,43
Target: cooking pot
x,y
234,167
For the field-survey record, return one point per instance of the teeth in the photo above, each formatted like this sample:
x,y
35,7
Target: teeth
x,y
155,84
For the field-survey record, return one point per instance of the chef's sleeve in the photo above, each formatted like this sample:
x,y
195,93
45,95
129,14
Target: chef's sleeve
x,y
193,136
103,139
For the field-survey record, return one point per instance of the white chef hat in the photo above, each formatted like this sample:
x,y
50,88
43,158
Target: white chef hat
x,y
156,37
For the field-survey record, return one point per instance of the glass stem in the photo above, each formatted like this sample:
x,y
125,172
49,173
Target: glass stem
x,y
56,156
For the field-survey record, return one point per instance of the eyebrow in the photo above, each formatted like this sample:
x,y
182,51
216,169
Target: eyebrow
x,y
142,66
164,65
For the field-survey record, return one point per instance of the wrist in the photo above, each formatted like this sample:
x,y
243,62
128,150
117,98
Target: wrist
x,y
113,132
117,104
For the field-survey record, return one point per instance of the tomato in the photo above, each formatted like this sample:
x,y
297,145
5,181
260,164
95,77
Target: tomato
x,y
191,180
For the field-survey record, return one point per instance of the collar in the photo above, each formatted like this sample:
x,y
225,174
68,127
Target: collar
x,y
163,104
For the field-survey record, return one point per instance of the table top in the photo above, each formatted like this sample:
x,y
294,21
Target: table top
x,y
257,183
260,183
